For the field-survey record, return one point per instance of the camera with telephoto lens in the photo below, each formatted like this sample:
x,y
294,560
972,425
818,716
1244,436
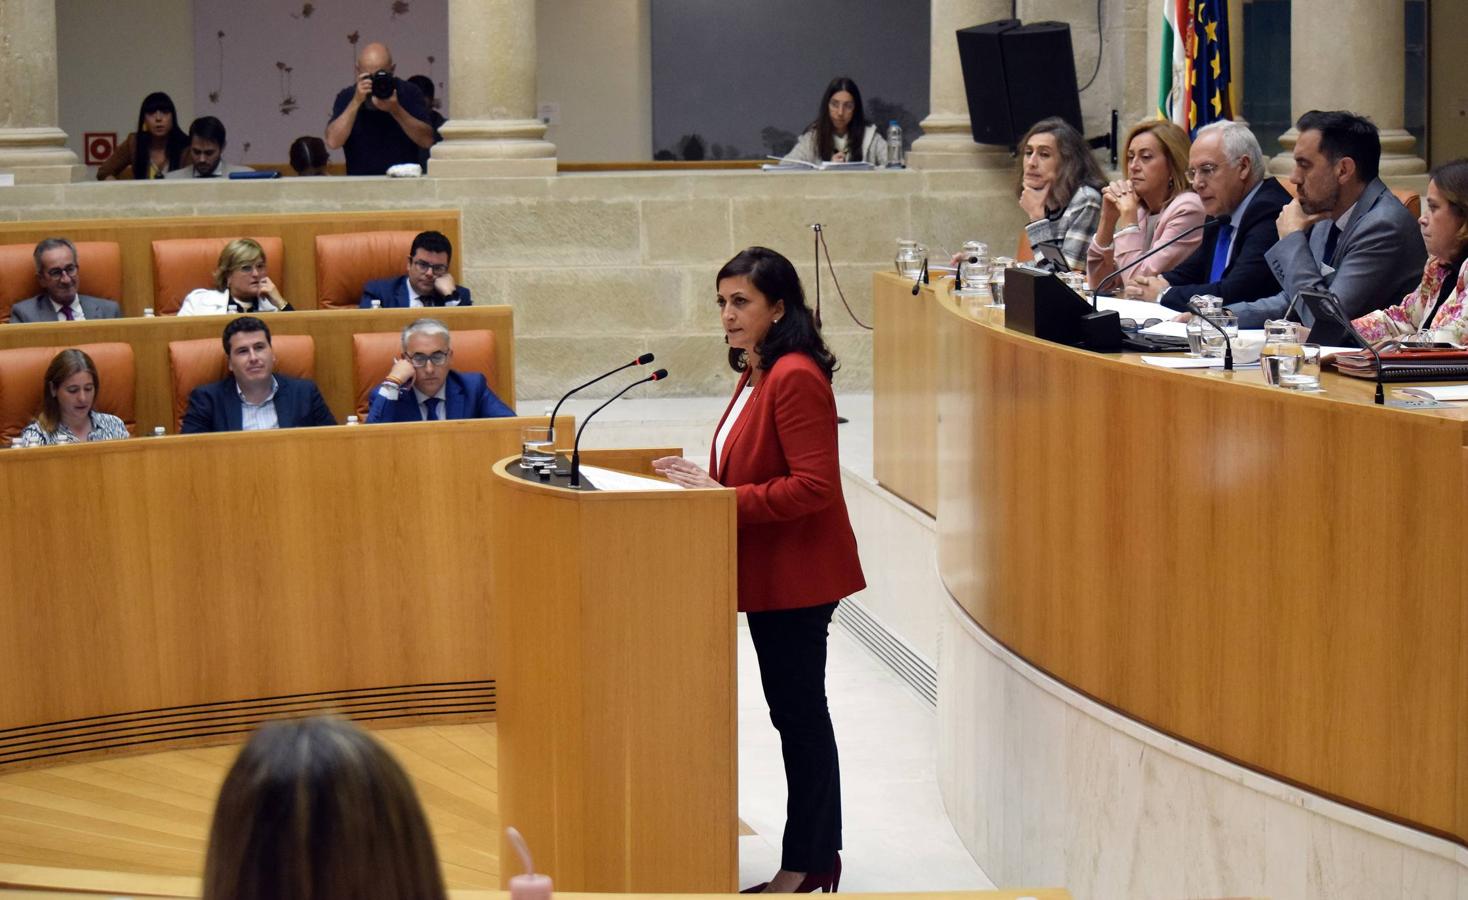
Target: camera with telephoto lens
x,y
382,84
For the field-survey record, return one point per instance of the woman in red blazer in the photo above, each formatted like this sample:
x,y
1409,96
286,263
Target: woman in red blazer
x,y
776,446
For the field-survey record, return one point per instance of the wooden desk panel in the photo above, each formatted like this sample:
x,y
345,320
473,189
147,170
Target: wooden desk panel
x,y
905,390
297,230
1270,576
331,329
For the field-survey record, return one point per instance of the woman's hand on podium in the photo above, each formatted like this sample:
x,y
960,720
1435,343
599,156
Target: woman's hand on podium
x,y
683,473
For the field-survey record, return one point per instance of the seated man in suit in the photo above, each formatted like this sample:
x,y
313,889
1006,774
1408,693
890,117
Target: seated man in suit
x,y
58,274
1345,233
206,152
1226,168
438,392
428,282
253,397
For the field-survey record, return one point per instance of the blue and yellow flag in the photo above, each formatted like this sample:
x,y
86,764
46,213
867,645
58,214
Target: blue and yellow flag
x,y
1209,76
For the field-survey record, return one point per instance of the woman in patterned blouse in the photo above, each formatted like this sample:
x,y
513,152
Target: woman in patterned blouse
x,y
1059,190
1438,304
67,416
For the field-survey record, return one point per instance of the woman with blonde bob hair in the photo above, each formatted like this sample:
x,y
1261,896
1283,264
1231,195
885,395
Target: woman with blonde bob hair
x,y
240,284
1148,208
1059,189
315,809
67,415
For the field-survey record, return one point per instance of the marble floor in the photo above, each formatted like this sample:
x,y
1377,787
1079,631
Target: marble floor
x,y
896,833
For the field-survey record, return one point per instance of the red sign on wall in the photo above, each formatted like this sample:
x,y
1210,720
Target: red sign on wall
x,y
99,146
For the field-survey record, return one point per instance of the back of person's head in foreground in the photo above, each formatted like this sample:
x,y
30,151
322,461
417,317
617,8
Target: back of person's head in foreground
x,y
315,809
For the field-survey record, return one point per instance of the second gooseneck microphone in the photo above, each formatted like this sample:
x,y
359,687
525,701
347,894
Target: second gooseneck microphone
x,y
642,360
659,375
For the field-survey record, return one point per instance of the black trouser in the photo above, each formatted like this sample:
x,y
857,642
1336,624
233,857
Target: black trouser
x,y
791,645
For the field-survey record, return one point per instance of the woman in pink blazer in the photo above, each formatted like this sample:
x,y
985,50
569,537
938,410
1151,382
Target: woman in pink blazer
x,y
776,446
1157,163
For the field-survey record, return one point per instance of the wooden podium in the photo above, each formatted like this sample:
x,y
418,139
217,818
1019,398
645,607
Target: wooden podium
x,y
614,640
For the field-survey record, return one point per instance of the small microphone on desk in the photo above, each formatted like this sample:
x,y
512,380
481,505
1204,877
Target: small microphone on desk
x,y
1331,304
659,375
922,278
642,360
1096,292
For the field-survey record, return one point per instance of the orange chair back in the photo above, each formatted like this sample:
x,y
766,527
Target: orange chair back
x,y
1023,253
181,265
373,353
346,262
99,262
198,362
22,384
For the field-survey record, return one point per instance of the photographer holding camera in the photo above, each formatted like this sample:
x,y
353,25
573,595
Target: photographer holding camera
x,y
382,120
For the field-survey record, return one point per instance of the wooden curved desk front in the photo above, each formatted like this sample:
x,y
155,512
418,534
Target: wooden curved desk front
x,y
1274,577
163,592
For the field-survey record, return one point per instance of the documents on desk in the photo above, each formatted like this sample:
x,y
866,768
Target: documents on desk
x,y
1446,393
611,480
1140,310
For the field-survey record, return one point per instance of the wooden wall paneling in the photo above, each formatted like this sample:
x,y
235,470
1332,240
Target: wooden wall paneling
x,y
904,390
331,329
1242,567
298,230
623,666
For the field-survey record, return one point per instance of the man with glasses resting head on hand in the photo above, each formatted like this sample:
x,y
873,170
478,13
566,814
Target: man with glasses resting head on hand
x,y
421,387
427,283
1226,169
58,275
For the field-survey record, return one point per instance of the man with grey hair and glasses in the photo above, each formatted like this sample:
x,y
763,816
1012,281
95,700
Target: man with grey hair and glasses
x,y
1226,169
422,387
59,275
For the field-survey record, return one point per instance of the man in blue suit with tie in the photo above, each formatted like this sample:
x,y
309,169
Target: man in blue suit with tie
x,y
427,282
253,397
422,387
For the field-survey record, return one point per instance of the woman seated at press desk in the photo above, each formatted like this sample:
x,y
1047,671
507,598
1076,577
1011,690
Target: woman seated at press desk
x,y
1438,304
67,415
840,132
240,285
1059,190
1148,208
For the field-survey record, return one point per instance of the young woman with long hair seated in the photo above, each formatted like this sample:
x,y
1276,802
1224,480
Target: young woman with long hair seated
x,y
840,132
68,414
157,147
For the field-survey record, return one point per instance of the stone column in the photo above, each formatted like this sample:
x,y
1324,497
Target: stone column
x,y
32,147
492,128
1236,56
1351,53
947,141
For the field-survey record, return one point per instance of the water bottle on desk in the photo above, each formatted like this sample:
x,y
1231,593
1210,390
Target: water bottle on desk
x,y
894,145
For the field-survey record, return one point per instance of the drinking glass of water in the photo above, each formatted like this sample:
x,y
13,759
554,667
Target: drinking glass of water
x,y
1306,376
535,447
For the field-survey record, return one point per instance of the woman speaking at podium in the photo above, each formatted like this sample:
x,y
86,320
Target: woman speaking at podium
x,y
776,446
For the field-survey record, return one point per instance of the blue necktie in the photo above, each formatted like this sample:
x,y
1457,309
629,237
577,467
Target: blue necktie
x,y
430,409
1220,251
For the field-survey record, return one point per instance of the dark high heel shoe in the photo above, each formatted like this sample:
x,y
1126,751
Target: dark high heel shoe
x,y
825,882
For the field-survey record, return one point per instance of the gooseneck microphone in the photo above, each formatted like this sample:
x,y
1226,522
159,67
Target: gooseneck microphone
x,y
922,278
1096,292
1228,347
1331,304
659,375
642,360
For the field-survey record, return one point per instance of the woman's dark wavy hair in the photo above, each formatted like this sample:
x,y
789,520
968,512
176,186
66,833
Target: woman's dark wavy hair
x,y
855,132
1078,167
178,139
796,332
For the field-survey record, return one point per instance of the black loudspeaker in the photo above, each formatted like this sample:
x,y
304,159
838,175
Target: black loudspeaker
x,y
1015,75
983,81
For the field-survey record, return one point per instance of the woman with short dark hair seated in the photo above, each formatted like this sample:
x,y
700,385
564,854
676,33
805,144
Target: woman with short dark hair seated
x,y
67,412
157,147
240,284
1440,303
316,809
1059,190
840,132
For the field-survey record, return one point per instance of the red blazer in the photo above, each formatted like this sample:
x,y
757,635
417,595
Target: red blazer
x,y
796,547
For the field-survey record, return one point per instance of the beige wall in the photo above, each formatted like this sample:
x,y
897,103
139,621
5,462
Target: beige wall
x,y
595,61
111,55
1447,116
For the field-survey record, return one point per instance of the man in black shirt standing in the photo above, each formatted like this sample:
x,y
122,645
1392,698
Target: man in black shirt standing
x,y
378,128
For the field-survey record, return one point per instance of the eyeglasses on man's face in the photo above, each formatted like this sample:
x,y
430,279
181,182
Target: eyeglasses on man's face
x,y
67,271
425,267
419,360
1203,172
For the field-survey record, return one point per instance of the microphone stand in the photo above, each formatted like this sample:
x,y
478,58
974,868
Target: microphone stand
x,y
1096,292
659,375
1228,348
642,360
922,278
